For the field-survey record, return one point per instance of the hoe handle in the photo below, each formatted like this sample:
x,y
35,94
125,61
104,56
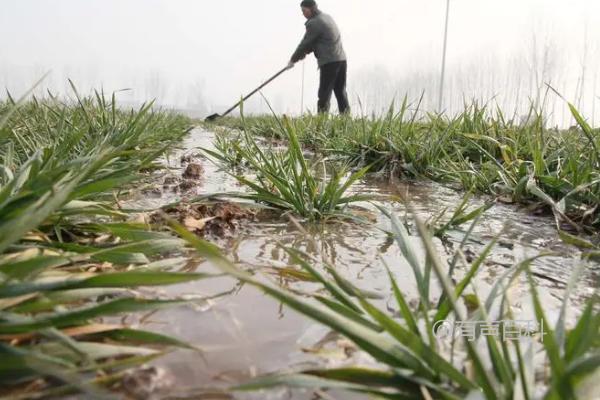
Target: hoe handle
x,y
254,91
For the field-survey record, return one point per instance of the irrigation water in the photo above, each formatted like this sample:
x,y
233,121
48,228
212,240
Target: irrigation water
x,y
243,333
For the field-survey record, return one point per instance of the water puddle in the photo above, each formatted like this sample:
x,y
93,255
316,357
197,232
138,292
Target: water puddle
x,y
244,333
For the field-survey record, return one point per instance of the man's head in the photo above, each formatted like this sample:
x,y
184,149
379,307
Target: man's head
x,y
308,8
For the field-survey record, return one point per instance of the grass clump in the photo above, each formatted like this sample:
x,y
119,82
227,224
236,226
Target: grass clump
x,y
285,179
69,255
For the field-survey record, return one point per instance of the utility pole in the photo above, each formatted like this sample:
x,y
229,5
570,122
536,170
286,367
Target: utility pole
x,y
302,95
441,98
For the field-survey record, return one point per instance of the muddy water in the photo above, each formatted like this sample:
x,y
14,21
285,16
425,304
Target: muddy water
x,y
243,333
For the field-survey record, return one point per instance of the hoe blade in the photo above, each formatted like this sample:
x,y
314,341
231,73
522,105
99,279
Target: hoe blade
x,y
211,118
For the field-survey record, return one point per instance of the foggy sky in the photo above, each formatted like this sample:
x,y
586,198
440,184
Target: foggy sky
x,y
205,54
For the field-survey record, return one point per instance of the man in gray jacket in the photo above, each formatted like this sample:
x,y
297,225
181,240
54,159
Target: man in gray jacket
x,y
323,38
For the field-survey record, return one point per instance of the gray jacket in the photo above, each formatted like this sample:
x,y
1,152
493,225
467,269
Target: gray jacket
x,y
323,38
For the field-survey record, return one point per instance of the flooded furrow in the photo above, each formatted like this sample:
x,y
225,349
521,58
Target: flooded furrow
x,y
243,333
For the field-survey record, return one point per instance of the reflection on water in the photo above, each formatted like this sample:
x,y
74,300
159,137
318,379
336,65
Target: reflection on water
x,y
245,333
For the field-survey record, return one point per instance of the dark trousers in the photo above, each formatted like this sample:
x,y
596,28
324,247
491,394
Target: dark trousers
x,y
333,79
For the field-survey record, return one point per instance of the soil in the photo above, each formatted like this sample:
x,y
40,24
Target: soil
x,y
217,219
193,171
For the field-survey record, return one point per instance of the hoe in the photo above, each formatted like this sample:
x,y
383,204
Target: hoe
x,y
215,116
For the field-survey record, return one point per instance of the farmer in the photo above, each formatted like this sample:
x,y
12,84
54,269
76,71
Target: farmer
x,y
323,38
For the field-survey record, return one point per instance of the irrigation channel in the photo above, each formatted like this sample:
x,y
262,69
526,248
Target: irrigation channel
x,y
244,333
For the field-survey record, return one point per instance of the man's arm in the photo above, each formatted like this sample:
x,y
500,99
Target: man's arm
x,y
306,45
